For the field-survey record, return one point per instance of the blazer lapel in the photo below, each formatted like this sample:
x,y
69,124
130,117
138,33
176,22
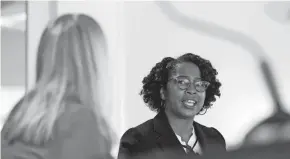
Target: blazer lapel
x,y
167,141
165,137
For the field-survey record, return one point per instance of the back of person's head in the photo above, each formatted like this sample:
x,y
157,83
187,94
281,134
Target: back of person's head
x,y
71,62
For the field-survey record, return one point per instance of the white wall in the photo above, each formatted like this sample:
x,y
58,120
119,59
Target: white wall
x,y
12,70
150,36
12,57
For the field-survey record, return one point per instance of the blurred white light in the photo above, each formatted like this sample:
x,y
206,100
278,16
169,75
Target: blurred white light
x,y
12,20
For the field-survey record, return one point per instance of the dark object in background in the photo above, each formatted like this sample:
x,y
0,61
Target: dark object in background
x,y
276,128
273,151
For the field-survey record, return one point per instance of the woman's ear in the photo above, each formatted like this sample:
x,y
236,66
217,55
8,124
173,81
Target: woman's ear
x,y
162,93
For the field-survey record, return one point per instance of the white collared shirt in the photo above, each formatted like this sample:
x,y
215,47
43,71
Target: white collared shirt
x,y
191,142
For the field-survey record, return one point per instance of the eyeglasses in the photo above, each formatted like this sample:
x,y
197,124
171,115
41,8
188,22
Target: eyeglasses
x,y
184,83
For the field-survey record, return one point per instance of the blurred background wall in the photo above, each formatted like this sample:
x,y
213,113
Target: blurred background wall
x,y
139,35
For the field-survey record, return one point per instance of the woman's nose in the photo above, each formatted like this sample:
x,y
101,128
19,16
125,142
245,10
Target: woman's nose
x,y
191,90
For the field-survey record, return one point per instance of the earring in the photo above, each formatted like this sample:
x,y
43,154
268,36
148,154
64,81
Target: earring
x,y
205,110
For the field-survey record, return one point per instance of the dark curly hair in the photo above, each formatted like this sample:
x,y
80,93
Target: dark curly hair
x,y
158,78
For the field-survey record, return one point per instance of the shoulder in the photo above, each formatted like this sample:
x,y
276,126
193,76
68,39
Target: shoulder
x,y
136,137
135,134
212,133
76,116
79,134
218,136
135,140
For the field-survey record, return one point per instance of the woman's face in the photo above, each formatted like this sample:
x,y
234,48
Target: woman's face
x,y
180,102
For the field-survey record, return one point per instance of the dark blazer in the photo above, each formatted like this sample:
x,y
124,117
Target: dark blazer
x,y
156,139
76,136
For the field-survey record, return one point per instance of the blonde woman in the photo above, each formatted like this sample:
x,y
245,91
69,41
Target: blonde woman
x,y
60,118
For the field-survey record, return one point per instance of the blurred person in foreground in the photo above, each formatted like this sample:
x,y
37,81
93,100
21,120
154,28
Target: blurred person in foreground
x,y
61,116
178,90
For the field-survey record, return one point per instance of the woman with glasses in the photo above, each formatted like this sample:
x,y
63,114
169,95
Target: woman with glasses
x,y
178,90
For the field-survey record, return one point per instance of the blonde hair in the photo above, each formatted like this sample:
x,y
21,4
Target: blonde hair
x,y
71,62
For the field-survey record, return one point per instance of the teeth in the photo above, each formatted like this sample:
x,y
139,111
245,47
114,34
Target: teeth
x,y
189,102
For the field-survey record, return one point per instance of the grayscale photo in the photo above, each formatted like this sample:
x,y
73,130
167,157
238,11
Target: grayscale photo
x,y
120,79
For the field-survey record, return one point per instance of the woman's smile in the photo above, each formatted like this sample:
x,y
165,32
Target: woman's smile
x,y
189,103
